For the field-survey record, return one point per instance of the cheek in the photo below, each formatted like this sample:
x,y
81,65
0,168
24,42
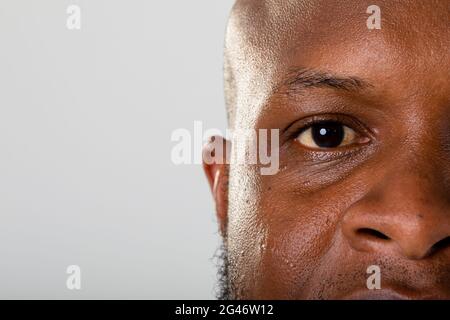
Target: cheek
x,y
299,233
301,227
245,232
281,231
275,237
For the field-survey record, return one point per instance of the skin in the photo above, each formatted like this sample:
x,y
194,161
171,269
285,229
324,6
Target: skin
x,y
311,230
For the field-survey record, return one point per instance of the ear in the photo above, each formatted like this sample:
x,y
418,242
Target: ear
x,y
216,167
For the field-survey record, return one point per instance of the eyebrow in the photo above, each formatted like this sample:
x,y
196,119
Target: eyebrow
x,y
299,79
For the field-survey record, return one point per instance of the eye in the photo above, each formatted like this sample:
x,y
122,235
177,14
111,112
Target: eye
x,y
326,135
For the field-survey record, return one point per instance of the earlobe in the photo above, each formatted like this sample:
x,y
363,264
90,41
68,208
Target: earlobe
x,y
216,169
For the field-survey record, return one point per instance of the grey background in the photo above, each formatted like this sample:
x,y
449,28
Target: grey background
x,y
86,119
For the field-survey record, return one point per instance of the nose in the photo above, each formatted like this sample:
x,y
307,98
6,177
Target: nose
x,y
405,214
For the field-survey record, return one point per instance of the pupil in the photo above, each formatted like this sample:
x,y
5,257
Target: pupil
x,y
328,134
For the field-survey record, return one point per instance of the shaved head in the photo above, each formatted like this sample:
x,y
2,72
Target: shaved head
x,y
263,36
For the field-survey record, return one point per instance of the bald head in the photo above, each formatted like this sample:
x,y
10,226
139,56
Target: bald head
x,y
265,39
256,33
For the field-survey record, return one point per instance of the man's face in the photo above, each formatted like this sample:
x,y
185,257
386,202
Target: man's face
x,y
364,123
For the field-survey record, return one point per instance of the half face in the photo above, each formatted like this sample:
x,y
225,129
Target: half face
x,y
364,122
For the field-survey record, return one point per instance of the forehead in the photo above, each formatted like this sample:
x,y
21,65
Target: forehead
x,y
267,38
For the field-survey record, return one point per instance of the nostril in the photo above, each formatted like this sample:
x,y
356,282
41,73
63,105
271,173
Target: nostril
x,y
441,245
372,233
